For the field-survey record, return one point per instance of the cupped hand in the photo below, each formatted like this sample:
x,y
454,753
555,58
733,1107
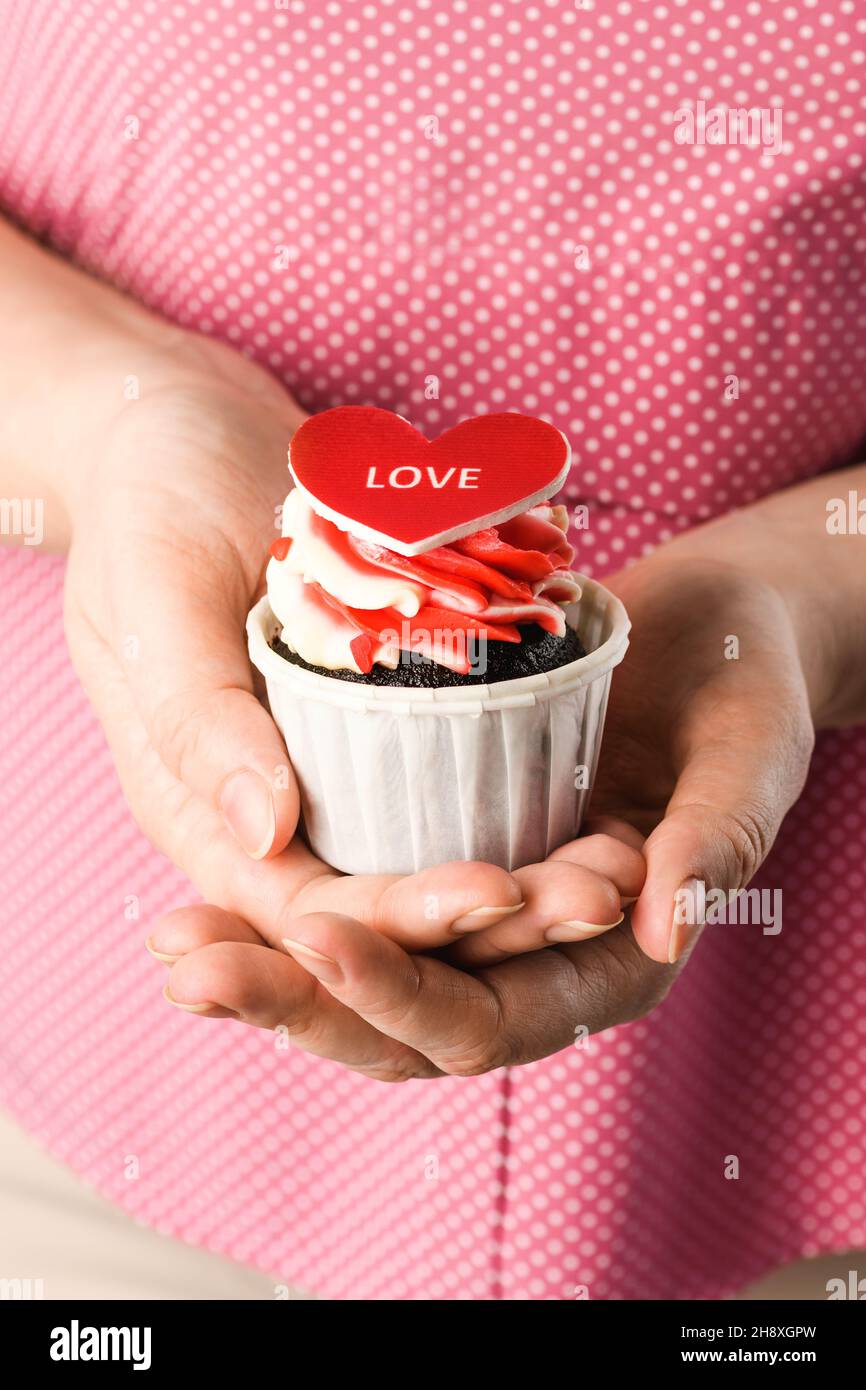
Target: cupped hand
x,y
707,745
709,732
168,554
340,989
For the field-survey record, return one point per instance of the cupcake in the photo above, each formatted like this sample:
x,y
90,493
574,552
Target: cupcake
x,y
437,669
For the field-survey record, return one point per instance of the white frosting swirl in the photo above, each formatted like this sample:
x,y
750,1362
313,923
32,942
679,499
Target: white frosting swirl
x,y
328,590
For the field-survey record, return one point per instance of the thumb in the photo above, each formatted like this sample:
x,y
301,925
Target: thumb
x,y
185,658
720,823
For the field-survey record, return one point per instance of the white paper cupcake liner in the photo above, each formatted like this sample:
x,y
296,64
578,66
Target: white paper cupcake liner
x,y
396,780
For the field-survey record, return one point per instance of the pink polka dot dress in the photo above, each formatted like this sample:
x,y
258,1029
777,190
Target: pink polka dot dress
x,y
447,209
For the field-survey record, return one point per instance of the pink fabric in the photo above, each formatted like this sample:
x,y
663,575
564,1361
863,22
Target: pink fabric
x,y
410,254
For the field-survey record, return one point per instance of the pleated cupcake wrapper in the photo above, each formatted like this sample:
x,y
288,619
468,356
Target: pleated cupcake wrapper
x,y
396,780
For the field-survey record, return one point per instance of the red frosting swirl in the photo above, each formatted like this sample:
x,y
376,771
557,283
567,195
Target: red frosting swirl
x,y
481,587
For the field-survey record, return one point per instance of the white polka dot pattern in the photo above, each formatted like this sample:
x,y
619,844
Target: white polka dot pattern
x,y
447,210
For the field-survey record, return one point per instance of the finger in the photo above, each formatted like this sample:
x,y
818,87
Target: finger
x,y
551,896
267,989
182,826
563,902
418,911
614,827
188,928
720,823
617,859
465,1024
179,637
446,1014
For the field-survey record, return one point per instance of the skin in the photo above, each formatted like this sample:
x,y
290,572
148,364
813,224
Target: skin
x,y
166,504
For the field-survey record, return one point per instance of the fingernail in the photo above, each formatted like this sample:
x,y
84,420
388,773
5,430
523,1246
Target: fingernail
x,y
481,917
189,1008
627,902
248,809
576,931
690,910
323,967
160,955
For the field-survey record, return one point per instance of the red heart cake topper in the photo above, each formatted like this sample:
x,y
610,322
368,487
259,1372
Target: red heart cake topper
x,y
372,474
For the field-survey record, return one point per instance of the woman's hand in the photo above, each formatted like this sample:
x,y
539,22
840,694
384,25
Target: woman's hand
x,y
167,556
168,550
339,989
708,736
747,634
707,745
738,648
160,457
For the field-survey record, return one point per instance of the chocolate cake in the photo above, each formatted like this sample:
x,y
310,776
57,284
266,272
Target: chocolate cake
x,y
537,651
